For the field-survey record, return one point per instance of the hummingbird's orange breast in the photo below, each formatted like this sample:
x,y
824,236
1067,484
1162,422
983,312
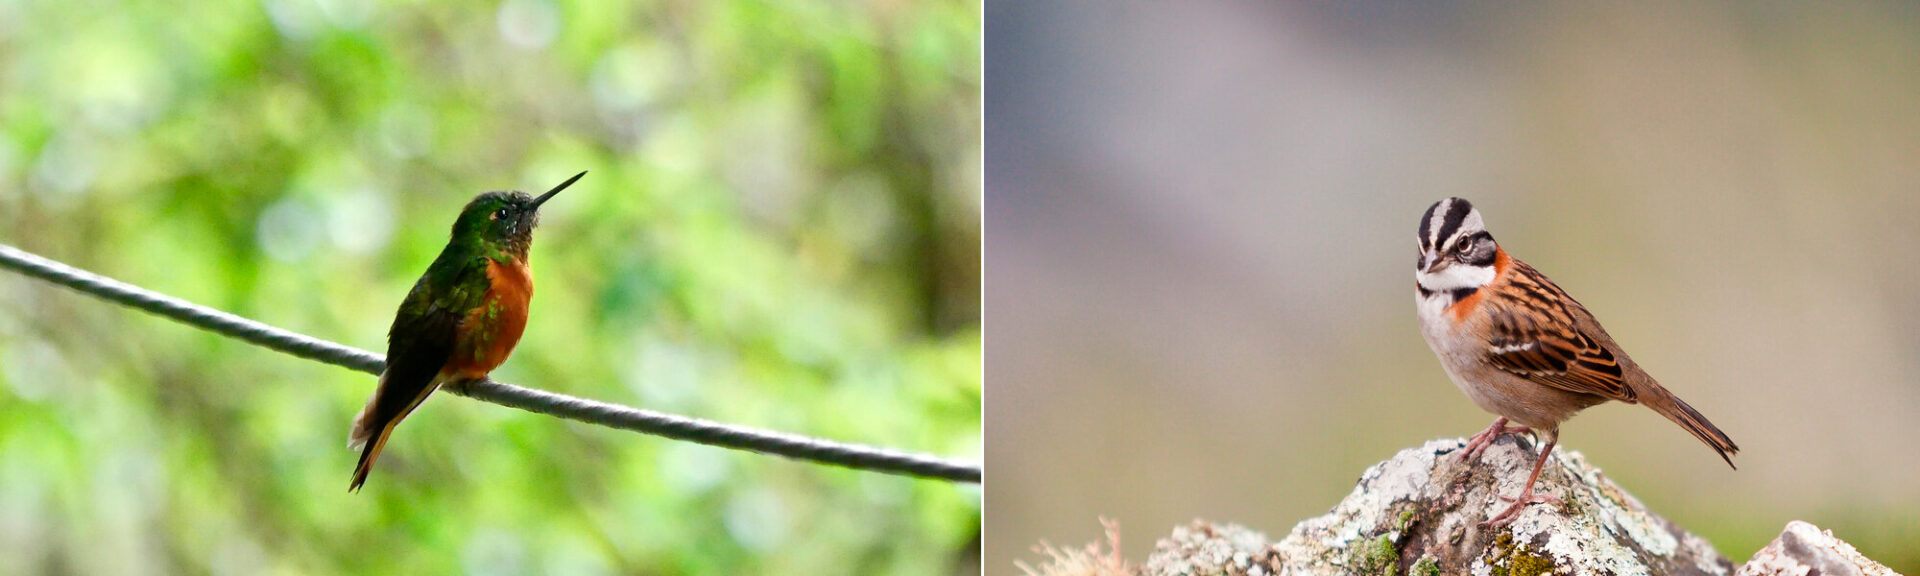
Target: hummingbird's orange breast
x,y
490,331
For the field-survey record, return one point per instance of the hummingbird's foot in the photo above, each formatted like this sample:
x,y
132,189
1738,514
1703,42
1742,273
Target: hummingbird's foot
x,y
1479,442
459,386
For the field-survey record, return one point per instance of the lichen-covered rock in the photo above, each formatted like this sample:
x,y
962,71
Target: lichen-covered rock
x,y
1421,513
1803,549
1427,504
1203,549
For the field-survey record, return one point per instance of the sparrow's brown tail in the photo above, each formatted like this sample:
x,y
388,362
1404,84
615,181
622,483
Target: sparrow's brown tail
x,y
1680,413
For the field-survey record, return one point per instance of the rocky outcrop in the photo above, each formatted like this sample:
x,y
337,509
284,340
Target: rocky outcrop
x,y
1803,550
1422,512
1425,506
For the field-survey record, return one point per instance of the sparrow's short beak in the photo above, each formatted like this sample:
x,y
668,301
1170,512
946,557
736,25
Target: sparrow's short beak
x,y
1434,264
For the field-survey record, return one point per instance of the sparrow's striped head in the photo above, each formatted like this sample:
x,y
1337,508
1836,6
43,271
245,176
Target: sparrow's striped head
x,y
1456,252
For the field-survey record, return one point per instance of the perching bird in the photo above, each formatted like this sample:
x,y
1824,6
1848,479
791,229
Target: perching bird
x,y
461,319
1520,347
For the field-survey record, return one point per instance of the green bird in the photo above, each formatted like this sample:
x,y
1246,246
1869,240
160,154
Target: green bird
x,y
462,318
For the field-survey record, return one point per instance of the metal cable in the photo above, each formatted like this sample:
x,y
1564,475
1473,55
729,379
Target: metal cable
x,y
572,408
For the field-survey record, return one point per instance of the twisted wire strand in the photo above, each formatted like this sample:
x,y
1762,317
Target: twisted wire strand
x,y
674,426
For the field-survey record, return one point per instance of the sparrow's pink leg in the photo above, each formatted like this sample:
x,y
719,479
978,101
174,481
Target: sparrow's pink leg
x,y
1526,494
1485,438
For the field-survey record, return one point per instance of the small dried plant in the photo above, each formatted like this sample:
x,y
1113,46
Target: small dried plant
x,y
1089,561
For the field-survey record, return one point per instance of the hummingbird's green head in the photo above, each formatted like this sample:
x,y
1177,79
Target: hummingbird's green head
x,y
503,221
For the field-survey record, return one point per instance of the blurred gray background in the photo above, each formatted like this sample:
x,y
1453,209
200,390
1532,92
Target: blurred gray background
x,y
1200,234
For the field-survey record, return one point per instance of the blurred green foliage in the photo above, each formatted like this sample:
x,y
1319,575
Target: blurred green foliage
x,y
780,229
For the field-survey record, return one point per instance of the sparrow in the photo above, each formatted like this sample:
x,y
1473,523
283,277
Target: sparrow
x,y
1521,348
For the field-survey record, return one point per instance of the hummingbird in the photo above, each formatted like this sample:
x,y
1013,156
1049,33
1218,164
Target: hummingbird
x,y
461,319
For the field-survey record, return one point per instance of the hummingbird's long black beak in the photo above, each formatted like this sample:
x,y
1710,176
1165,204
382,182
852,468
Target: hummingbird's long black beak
x,y
556,190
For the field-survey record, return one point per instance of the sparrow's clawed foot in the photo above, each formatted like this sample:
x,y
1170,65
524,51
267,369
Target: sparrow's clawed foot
x,y
1479,442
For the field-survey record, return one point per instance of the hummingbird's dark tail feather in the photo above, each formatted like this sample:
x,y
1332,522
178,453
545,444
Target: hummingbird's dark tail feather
x,y
368,455
364,438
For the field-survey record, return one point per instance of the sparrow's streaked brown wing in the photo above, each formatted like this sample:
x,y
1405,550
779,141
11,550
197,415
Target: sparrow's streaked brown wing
x,y
1536,335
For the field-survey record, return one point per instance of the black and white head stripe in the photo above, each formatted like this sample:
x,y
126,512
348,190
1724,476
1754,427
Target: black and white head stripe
x,y
1456,217
1457,254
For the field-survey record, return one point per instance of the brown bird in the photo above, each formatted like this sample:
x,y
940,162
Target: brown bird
x,y
1521,348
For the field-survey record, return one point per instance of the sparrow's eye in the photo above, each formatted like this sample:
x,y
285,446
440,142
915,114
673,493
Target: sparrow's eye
x,y
1464,247
500,214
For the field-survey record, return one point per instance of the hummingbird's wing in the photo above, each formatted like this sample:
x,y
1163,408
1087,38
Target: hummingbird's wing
x,y
418,345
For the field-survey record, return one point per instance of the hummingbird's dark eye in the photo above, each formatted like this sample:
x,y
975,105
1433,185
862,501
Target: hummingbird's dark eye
x,y
500,214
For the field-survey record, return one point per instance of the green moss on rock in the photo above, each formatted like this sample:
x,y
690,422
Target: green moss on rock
x,y
1377,556
1425,567
1509,558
